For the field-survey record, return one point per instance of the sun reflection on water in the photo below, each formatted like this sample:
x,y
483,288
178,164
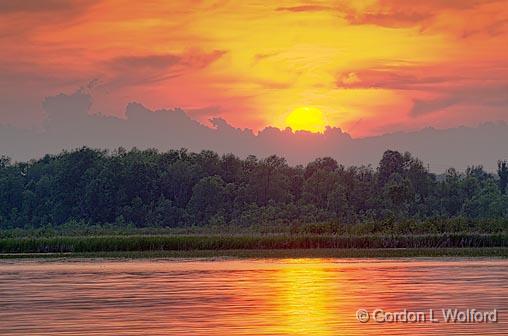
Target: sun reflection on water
x,y
305,298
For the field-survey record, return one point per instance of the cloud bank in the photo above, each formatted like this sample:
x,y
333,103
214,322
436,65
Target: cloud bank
x,y
70,125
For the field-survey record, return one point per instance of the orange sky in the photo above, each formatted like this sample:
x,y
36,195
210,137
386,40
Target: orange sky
x,y
368,67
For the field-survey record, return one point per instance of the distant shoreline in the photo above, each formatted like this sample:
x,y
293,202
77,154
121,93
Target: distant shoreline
x,y
490,252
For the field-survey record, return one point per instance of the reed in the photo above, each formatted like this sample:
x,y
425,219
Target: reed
x,y
491,252
79,244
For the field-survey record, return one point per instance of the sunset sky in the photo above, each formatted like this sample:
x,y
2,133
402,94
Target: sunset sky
x,y
368,67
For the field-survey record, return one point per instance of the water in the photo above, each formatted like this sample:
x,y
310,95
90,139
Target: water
x,y
246,297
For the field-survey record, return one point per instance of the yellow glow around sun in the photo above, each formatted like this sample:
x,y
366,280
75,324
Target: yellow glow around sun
x,y
306,118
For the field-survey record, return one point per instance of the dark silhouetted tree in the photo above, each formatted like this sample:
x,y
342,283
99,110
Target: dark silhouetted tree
x,y
502,172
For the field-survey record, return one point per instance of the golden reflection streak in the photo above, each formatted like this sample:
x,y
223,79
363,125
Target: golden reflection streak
x,y
306,295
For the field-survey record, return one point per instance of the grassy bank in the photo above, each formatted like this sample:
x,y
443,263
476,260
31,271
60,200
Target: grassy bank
x,y
490,252
86,244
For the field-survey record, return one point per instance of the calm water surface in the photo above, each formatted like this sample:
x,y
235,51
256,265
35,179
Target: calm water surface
x,y
246,297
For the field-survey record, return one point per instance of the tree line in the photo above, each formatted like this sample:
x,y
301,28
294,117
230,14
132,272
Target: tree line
x,y
177,188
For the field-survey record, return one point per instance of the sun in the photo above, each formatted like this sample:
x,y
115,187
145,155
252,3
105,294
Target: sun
x,y
306,118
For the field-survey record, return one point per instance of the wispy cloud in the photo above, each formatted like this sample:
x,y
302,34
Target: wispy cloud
x,y
304,8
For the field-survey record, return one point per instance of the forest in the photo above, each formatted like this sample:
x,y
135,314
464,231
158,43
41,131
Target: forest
x,y
177,189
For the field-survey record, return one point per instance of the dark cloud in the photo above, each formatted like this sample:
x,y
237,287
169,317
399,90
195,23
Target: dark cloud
x,y
390,13
482,87
134,70
385,14
395,19
421,107
477,95
191,59
435,4
389,78
13,6
124,63
494,28
67,109
69,125
198,59
403,13
209,111
21,18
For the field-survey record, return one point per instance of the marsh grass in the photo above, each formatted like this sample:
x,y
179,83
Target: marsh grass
x,y
488,252
83,244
